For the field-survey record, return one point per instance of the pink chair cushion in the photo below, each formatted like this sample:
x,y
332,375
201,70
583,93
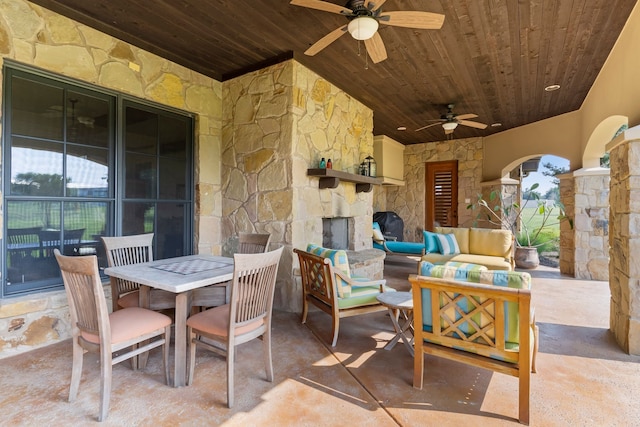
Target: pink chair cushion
x,y
131,322
216,322
129,300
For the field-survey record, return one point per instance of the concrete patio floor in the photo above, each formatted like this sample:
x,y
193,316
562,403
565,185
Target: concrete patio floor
x,y
583,377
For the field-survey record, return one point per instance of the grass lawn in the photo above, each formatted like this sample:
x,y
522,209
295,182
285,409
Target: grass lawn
x,y
550,234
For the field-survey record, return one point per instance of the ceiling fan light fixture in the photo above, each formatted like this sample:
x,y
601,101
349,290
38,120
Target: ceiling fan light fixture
x,y
449,125
362,27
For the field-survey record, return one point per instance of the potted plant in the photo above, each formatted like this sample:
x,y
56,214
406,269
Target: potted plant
x,y
528,230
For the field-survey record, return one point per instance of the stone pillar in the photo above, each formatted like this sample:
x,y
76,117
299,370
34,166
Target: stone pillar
x,y
509,192
567,236
624,239
591,225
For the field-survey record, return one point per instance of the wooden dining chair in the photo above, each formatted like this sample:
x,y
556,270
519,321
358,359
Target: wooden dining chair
x,y
127,250
253,243
246,317
129,331
218,294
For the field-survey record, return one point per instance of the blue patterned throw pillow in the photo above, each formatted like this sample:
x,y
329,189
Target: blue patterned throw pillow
x,y
448,244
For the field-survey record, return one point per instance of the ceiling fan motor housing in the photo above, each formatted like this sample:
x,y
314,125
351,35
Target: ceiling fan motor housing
x,y
359,9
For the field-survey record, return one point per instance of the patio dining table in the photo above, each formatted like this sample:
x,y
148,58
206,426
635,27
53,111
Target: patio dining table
x,y
179,275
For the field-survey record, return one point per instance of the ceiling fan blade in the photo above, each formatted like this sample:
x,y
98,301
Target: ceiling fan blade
x,y
375,48
408,19
326,41
428,126
472,124
448,131
466,116
375,5
322,5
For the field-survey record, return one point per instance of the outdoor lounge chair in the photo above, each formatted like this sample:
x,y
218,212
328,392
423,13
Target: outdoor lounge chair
x,y
391,246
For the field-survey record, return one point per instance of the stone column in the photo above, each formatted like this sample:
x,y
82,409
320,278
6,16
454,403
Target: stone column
x,y
509,191
624,239
591,225
567,236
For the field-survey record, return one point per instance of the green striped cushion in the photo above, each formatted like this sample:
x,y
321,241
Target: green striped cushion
x,y
339,260
449,270
508,279
362,295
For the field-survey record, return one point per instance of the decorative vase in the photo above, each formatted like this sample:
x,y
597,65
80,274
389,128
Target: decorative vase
x,y
527,258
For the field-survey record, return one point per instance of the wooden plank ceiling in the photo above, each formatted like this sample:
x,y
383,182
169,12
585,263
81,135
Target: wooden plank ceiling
x,y
492,57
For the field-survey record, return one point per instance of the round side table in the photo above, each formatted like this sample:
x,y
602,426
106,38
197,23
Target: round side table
x,y
399,303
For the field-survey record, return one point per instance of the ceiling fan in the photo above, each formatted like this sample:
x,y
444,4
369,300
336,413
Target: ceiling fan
x,y
364,21
449,121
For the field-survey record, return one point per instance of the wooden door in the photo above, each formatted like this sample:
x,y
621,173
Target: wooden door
x,y
441,194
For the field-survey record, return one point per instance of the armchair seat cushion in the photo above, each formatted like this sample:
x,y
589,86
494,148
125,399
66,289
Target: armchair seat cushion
x,y
362,295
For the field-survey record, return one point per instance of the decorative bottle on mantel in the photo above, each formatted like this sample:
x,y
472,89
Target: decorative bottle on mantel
x,y
323,164
329,164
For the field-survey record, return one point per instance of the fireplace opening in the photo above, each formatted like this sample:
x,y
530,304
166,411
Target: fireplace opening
x,y
335,233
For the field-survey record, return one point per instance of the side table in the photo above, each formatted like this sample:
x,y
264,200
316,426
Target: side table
x,y
399,303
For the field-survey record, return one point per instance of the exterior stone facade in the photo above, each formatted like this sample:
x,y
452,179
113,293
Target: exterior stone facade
x,y
278,122
624,240
591,224
408,201
34,36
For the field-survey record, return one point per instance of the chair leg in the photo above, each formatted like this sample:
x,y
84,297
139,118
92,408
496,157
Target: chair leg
x,y
231,352
105,381
335,329
535,348
305,308
76,370
134,360
191,336
266,344
165,353
418,366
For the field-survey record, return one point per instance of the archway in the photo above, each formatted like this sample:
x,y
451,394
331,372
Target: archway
x,y
601,135
533,189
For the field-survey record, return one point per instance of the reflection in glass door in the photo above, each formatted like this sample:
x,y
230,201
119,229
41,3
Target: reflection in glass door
x,y
157,168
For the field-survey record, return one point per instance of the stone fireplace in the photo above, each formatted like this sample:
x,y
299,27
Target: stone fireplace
x,y
277,123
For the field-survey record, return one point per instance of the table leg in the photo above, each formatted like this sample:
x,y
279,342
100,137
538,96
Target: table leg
x,y
180,360
401,330
408,324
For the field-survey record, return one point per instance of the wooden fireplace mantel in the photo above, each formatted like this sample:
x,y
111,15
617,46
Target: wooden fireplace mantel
x,y
330,178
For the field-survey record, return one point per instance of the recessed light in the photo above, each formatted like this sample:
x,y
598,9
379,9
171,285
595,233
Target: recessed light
x,y
551,88
496,125
402,128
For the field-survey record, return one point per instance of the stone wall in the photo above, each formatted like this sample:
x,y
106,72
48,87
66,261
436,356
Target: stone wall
x,y
408,201
278,122
35,36
591,225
